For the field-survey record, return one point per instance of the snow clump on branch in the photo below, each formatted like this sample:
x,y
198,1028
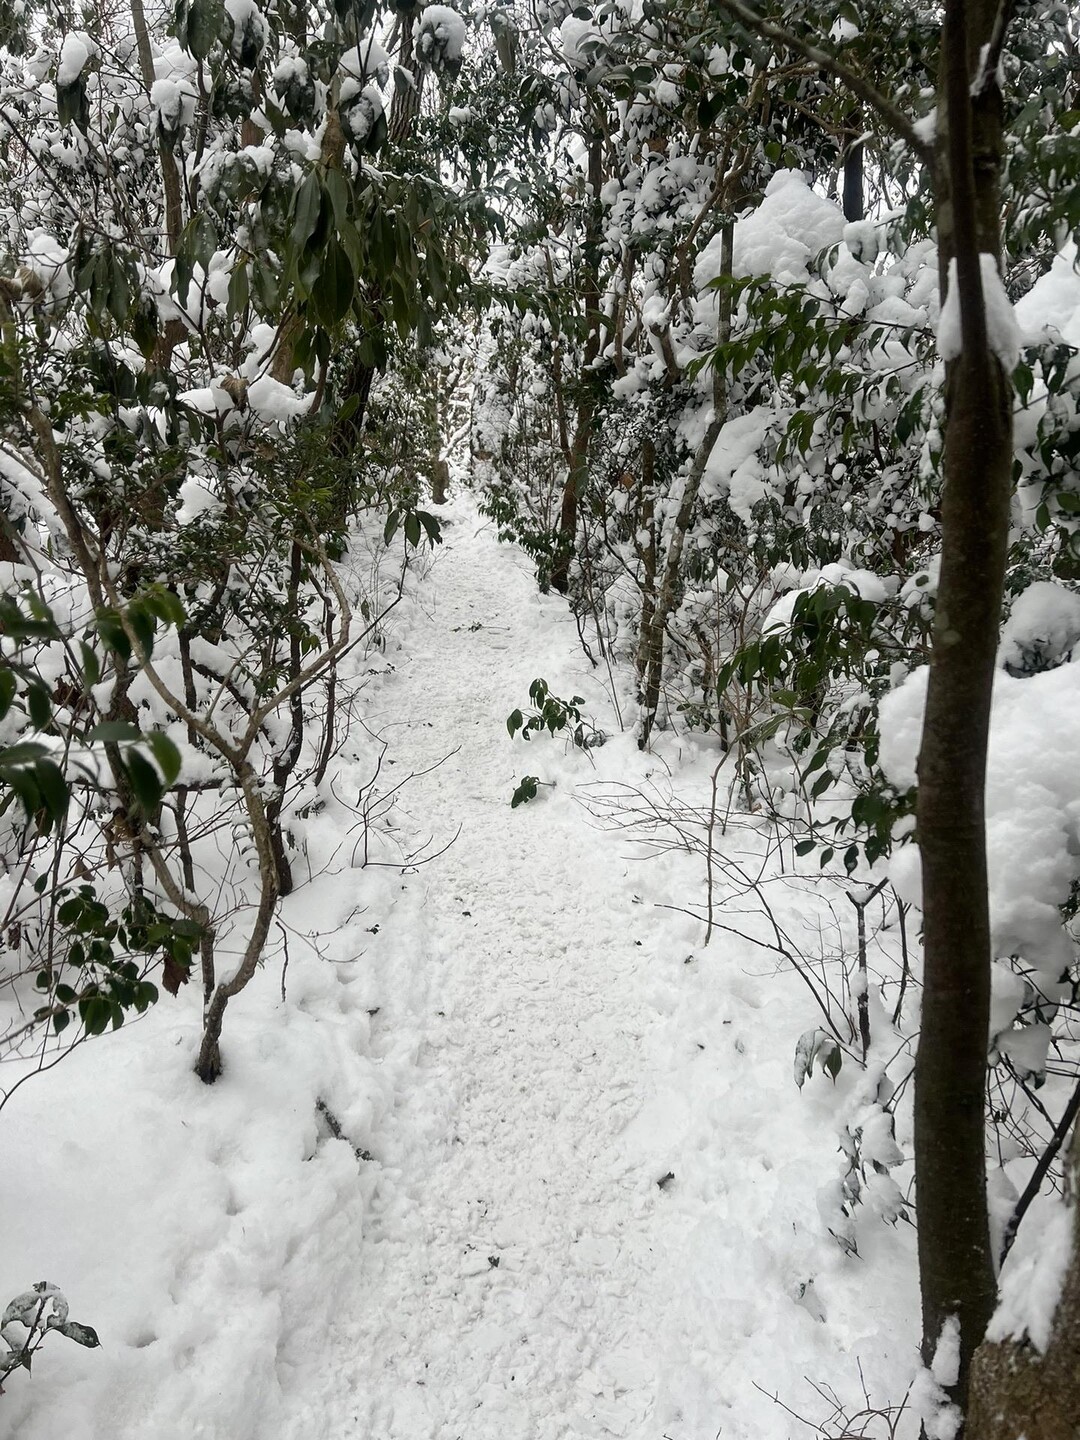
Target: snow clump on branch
x,y
75,54
368,61
440,39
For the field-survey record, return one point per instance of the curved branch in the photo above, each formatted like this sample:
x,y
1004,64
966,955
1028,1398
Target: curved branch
x,y
890,112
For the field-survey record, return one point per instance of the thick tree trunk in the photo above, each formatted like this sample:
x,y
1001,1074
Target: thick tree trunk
x,y
955,1262
1017,1389
408,82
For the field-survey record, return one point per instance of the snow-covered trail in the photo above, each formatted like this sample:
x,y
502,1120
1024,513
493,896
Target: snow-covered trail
x,y
512,1278
595,1202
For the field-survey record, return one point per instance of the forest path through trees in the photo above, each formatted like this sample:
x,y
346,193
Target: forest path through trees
x,y
513,1275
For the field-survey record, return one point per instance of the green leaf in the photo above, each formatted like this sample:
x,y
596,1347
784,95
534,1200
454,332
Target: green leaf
x,y
39,705
525,792
166,754
239,289
514,722
431,525
338,192
165,605
81,1334
71,103
118,731
141,619
205,23
306,210
55,792
96,1013
91,667
113,634
144,781
333,291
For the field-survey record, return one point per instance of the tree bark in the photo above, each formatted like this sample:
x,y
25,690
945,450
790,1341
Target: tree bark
x,y
170,175
1016,1389
955,1261
208,1065
653,631
566,535
854,204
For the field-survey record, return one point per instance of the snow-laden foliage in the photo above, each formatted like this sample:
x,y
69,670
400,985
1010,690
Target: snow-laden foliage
x,y
204,277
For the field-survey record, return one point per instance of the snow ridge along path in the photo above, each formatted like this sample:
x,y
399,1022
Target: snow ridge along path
x,y
512,1281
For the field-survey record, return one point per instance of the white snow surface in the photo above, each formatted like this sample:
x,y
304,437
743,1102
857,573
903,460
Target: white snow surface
x,y
1031,1284
1051,308
271,400
365,61
591,1203
1032,805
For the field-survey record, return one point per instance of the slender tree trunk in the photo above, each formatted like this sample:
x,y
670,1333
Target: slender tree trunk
x,y
854,202
577,474
208,1064
645,521
955,1262
287,757
653,632
173,331
170,174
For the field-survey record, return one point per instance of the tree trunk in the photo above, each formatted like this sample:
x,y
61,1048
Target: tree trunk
x,y
955,1262
854,204
170,174
440,482
578,471
645,522
1018,1390
408,80
208,1064
653,632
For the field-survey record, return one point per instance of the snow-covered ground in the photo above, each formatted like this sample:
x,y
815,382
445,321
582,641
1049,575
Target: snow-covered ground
x,y
580,1193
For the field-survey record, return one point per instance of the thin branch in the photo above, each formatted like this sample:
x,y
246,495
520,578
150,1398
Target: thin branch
x,y
889,111
989,61
1038,1175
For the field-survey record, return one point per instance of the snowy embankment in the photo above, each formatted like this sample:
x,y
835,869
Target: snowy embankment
x,y
589,1199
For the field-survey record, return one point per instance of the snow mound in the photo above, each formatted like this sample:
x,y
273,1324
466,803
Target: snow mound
x,y
781,237
1032,805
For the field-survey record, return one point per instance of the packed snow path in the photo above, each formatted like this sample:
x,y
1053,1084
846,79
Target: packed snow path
x,y
512,1279
590,1200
